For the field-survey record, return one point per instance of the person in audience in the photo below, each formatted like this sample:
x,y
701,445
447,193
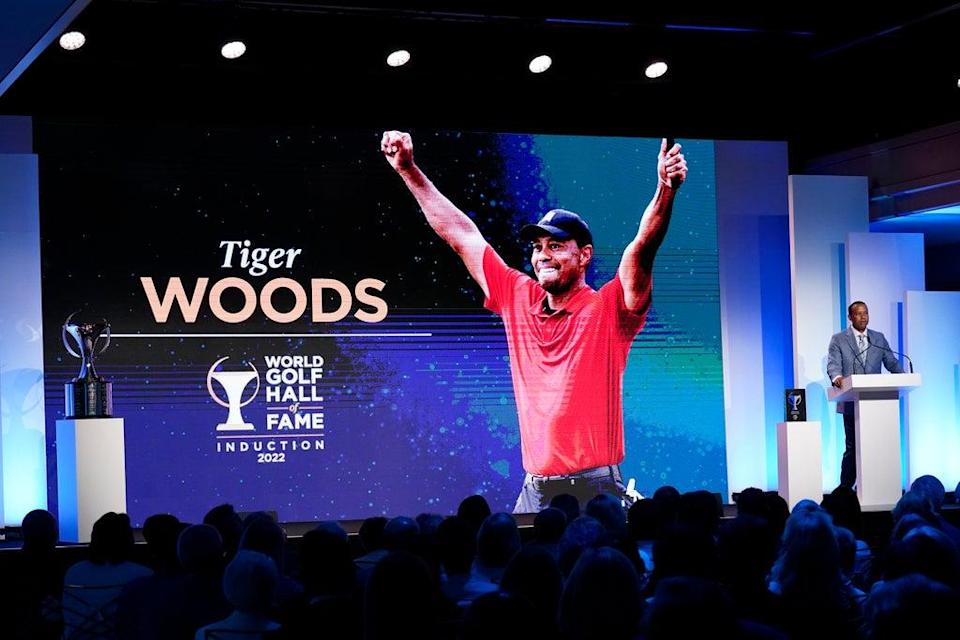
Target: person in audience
x,y
608,511
642,521
601,598
497,542
746,550
808,579
91,587
198,598
331,599
925,550
548,528
249,584
371,538
581,534
847,544
31,608
143,605
533,574
690,607
473,510
228,524
699,510
457,549
567,503
844,507
931,488
264,535
401,599
911,606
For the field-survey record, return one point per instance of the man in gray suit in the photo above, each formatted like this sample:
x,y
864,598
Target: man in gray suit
x,y
856,350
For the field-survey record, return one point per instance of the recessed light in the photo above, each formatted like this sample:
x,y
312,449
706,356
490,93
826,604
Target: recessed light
x,y
72,40
233,50
398,58
656,69
540,64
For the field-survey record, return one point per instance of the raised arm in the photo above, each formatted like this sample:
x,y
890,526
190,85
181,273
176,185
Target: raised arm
x,y
449,222
636,265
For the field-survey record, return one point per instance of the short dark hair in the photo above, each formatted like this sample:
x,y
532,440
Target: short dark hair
x,y
853,304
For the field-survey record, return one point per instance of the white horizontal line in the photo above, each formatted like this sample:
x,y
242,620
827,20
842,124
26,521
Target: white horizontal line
x,y
272,335
318,435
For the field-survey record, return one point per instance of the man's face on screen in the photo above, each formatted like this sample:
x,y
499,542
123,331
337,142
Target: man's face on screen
x,y
859,317
558,264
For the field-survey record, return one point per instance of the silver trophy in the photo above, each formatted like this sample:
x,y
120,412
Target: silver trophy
x,y
88,395
234,383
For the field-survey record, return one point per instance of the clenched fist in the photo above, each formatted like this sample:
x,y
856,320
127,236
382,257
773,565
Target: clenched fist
x,y
397,147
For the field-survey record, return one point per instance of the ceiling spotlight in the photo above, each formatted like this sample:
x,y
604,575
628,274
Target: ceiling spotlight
x,y
398,58
540,64
72,40
656,69
233,50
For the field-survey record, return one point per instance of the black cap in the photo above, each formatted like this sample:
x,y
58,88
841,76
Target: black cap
x,y
560,224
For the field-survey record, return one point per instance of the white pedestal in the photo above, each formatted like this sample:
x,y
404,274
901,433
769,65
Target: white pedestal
x,y
798,462
879,484
877,411
91,474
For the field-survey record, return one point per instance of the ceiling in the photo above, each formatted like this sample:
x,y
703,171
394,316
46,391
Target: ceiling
x,y
824,76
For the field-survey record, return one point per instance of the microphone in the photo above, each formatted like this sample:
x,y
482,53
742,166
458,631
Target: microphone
x,y
880,346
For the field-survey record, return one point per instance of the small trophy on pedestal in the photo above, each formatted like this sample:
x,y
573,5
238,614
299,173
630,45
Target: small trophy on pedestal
x,y
88,395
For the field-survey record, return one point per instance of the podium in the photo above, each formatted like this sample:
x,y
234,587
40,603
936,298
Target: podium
x,y
876,398
91,474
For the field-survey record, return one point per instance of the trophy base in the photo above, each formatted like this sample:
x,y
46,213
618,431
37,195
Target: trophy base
x,y
234,426
89,399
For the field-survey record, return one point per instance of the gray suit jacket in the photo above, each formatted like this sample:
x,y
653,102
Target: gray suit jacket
x,y
844,358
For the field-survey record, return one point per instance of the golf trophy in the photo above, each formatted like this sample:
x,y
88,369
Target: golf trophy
x,y
88,395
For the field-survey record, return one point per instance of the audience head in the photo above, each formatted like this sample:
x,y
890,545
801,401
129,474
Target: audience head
x,y
752,502
249,582
699,510
456,545
844,507
497,541
39,529
927,551
915,503
912,606
400,599
227,522
642,519
548,525
690,607
200,549
371,533
160,531
400,534
567,503
428,523
473,511
932,489
326,567
533,574
602,597
581,534
608,511
111,541
264,535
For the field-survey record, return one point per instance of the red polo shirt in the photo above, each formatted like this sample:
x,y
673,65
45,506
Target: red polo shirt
x,y
567,369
